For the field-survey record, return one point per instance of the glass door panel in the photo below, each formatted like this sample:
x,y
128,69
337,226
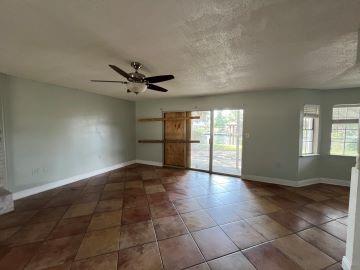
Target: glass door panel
x,y
200,130
227,141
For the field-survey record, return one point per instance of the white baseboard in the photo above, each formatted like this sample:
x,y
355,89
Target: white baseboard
x,y
270,180
336,182
147,162
279,181
59,183
297,183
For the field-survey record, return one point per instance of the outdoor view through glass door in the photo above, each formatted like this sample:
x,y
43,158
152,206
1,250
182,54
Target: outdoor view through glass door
x,y
226,135
200,130
227,141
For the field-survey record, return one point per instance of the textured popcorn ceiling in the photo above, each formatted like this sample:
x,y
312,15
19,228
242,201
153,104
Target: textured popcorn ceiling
x,y
210,46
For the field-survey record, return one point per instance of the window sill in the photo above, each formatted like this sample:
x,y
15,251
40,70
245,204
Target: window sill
x,y
342,156
310,155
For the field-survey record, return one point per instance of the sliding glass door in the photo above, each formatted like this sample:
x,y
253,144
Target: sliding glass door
x,y
227,141
200,131
220,135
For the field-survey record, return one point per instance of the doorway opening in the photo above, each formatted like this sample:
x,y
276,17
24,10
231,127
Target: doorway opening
x,y
220,133
227,141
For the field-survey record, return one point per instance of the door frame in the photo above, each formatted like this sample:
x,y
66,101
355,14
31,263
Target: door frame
x,y
211,152
212,136
3,183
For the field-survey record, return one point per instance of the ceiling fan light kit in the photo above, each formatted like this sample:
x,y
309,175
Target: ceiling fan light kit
x,y
138,82
136,88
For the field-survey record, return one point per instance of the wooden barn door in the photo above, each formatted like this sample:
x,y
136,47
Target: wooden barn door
x,y
175,136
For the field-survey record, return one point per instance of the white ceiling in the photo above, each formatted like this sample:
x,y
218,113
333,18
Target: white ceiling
x,y
211,46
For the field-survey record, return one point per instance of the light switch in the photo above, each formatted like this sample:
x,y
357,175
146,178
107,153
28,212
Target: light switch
x,y
247,135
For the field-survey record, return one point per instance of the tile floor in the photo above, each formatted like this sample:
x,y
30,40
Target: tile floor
x,y
144,217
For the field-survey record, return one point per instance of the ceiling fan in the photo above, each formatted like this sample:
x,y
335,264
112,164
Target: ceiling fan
x,y
137,82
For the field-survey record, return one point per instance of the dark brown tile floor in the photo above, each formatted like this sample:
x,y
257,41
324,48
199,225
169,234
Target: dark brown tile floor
x,y
144,217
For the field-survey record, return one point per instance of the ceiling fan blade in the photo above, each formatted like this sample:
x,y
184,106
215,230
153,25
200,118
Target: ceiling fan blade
x,y
109,81
120,71
156,88
157,79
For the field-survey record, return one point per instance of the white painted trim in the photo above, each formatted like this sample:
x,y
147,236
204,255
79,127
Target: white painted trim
x,y
148,162
2,123
296,183
59,183
279,181
347,266
335,182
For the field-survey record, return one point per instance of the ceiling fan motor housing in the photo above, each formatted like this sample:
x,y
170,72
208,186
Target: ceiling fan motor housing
x,y
136,77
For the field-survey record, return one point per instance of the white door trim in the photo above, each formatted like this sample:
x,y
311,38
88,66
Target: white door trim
x,y
2,143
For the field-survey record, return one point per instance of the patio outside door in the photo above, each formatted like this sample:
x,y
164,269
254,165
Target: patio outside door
x,y
200,130
220,135
227,141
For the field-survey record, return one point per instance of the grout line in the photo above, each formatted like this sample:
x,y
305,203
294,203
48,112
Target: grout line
x,y
187,229
189,233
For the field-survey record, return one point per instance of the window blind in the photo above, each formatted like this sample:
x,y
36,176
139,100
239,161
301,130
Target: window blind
x,y
311,110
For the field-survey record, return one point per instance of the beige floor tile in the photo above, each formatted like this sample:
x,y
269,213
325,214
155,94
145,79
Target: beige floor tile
x,y
327,243
213,243
102,262
335,228
154,189
268,227
202,266
303,253
326,210
109,205
99,242
55,252
336,266
313,195
81,209
134,184
105,220
145,257
7,233
31,233
137,234
267,257
167,227
235,261
114,186
184,206
180,252
17,258
242,234
198,220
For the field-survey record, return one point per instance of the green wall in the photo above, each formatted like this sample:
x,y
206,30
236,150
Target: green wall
x,y
336,167
53,133
272,118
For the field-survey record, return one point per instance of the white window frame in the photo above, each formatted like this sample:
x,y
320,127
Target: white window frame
x,y
344,121
314,118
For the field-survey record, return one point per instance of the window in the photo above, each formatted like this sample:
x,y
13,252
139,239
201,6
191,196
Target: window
x,y
310,129
345,130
